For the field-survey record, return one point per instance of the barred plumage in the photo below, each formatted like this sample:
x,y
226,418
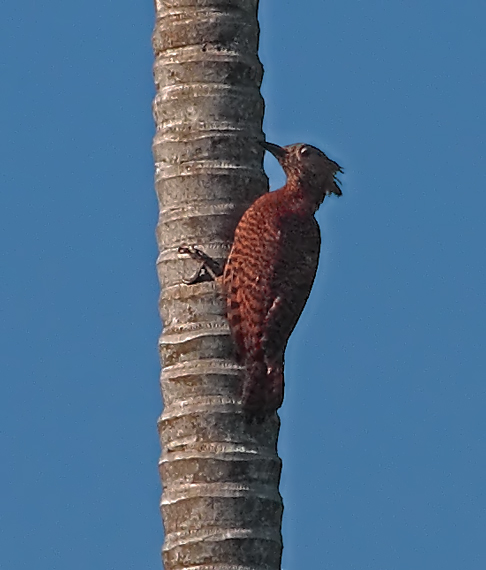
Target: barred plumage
x,y
271,269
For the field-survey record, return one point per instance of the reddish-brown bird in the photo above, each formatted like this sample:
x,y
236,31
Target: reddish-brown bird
x,y
271,268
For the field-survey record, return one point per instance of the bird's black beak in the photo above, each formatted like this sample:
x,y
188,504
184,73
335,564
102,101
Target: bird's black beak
x,y
277,151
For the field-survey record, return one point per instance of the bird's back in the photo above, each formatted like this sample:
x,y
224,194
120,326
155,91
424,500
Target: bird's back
x,y
268,278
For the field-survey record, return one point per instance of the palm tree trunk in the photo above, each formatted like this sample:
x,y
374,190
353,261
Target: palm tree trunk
x,y
221,506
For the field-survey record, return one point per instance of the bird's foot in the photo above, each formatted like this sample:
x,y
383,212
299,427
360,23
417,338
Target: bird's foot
x,y
207,269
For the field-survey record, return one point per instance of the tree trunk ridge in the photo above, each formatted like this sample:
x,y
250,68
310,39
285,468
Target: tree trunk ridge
x,y
221,506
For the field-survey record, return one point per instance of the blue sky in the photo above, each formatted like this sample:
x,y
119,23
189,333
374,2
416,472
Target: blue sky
x,y
383,426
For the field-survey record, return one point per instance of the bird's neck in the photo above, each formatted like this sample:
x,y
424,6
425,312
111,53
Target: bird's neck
x,y
301,196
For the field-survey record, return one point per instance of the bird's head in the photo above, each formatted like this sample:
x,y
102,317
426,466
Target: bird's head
x,y
308,167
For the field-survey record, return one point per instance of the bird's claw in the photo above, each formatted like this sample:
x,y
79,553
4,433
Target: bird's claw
x,y
207,268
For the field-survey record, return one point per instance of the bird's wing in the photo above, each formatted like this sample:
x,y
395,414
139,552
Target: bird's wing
x,y
293,276
268,278
248,278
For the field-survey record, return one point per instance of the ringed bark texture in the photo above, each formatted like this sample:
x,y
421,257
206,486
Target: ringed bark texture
x,y
221,506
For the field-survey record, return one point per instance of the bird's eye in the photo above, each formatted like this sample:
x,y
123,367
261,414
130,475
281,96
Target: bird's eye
x,y
304,151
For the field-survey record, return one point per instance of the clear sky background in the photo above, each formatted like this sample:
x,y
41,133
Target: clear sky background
x,y
383,426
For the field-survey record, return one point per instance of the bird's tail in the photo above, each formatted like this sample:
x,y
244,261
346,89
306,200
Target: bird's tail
x,y
262,389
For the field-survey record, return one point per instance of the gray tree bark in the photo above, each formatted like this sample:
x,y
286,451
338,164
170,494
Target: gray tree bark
x,y
221,506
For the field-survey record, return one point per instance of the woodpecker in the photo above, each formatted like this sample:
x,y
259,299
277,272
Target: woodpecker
x,y
271,268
